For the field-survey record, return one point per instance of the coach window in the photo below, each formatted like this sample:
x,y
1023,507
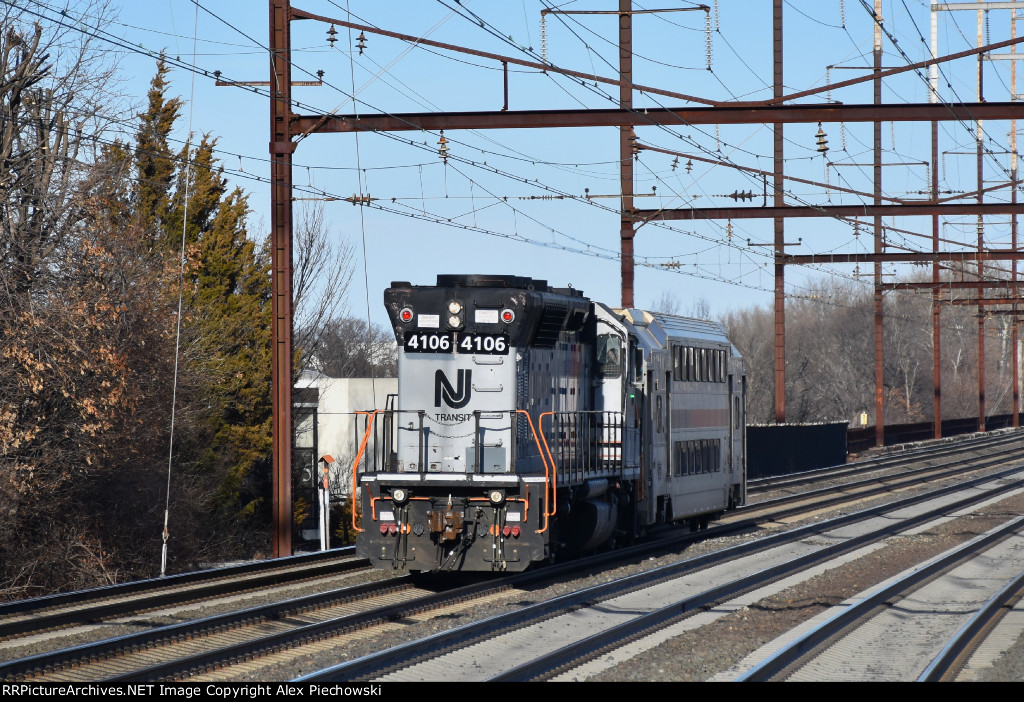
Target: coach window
x,y
609,356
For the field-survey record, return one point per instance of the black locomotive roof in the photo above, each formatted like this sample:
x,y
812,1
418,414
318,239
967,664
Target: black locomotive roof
x,y
540,312
477,280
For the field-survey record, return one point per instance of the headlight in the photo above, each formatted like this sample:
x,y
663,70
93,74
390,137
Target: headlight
x,y
454,307
399,495
496,497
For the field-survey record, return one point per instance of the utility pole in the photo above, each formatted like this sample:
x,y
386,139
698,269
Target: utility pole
x,y
281,150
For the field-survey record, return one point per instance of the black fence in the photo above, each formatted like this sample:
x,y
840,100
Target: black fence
x,y
858,440
778,449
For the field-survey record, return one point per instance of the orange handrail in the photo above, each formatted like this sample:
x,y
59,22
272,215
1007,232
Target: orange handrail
x,y
548,471
359,457
554,473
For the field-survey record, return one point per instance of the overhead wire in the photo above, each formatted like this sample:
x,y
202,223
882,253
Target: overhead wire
x,y
525,180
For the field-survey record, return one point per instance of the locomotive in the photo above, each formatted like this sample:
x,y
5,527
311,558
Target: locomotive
x,y
531,422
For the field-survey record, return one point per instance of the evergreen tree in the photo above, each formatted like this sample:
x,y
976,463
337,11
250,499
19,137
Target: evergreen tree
x,y
225,393
153,159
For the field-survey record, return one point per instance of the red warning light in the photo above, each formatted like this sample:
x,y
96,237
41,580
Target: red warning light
x,y
508,316
406,314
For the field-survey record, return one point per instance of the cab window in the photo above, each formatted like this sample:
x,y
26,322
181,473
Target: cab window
x,y
609,356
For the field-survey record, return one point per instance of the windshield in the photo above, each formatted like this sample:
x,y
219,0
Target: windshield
x,y
609,356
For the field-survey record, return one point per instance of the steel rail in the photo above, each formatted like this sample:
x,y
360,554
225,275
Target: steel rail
x,y
107,648
42,614
794,651
961,642
65,598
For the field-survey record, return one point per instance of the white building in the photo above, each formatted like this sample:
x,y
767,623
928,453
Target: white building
x,y
328,422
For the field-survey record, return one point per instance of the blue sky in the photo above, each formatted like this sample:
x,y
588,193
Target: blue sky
x,y
526,212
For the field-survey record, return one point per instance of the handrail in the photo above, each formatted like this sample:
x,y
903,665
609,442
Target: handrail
x,y
554,481
359,457
547,477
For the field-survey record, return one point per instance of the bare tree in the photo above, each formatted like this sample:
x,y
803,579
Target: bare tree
x,y
668,303
323,272
352,348
54,95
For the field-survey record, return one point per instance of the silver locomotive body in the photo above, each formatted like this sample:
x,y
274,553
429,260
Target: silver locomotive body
x,y
530,421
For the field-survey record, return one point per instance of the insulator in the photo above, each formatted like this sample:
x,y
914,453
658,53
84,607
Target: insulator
x,y
543,37
332,36
361,42
822,141
675,162
442,149
689,165
707,37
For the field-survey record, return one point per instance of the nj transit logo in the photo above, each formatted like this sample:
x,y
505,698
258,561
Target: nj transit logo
x,y
457,397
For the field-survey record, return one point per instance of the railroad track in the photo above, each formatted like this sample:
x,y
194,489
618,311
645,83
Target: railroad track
x,y
895,632
346,620
556,639
98,609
